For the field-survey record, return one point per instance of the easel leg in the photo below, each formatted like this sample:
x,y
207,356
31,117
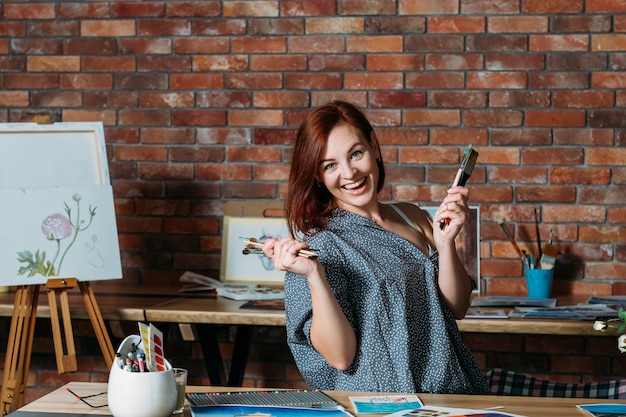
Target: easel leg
x,y
97,322
66,362
19,347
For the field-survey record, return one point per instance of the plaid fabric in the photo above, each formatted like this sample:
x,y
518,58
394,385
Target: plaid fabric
x,y
504,382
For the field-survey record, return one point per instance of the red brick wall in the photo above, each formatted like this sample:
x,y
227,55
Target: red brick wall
x,y
200,100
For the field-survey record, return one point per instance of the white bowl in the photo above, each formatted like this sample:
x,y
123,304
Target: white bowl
x,y
140,394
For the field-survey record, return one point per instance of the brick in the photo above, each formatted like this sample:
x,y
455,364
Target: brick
x,y
458,99
170,100
308,8
53,63
276,26
273,136
495,118
517,24
583,137
249,81
555,118
77,10
164,27
409,7
145,46
278,63
111,99
202,9
581,61
167,135
281,99
243,190
48,29
456,24
583,99
14,98
107,117
132,9
115,28
29,11
167,172
253,154
164,63
201,45
199,118
144,117
373,81
223,99
107,64
613,42
435,80
214,27
594,24
351,62
517,175
499,62
51,99
564,43
37,46
395,25
437,44
607,118
12,64
195,81
503,79
401,99
141,81
261,44
552,156
608,80
414,117
313,44
559,80
255,118
515,98
566,175
251,9
204,63
190,226
359,98
197,154
373,43
86,81
497,43
334,25
552,7
454,62
459,137
544,194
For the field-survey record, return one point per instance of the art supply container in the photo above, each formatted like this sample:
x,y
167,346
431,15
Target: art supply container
x,y
140,394
538,282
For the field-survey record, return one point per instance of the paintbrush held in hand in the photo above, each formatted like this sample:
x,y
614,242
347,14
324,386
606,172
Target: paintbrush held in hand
x,y
463,174
256,246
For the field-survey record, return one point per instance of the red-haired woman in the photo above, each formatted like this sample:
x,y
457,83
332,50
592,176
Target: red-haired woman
x,y
376,311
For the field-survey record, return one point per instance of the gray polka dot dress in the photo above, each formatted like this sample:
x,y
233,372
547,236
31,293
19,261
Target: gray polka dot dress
x,y
408,340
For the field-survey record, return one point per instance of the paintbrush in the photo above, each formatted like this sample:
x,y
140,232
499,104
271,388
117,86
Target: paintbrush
x,y
255,246
463,174
513,242
538,235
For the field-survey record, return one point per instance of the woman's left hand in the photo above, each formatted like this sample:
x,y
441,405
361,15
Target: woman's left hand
x,y
454,212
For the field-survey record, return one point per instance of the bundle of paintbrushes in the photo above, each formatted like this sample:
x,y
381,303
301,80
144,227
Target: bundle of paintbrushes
x,y
546,256
255,246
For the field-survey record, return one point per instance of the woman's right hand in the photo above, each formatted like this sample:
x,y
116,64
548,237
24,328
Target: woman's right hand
x,y
284,254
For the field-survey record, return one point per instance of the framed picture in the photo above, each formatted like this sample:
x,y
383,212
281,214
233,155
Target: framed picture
x,y
468,243
57,200
253,267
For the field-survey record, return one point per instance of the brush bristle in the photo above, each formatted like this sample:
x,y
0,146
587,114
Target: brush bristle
x,y
467,166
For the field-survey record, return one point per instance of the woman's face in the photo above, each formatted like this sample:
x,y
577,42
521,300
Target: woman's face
x,y
349,170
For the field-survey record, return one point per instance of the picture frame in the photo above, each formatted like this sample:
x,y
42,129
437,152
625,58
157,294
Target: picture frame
x,y
56,195
253,267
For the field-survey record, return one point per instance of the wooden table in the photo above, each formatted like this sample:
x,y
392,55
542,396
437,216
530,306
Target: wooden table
x,y
61,401
164,304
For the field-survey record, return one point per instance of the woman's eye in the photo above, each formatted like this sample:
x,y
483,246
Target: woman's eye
x,y
357,154
329,166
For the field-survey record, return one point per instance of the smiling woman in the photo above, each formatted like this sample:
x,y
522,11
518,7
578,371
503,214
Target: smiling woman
x,y
376,310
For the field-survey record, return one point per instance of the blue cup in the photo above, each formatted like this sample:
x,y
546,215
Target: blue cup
x,y
538,282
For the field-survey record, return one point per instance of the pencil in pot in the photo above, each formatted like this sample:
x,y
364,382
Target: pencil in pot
x,y
463,174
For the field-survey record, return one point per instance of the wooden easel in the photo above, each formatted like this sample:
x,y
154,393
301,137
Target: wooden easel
x,y
21,334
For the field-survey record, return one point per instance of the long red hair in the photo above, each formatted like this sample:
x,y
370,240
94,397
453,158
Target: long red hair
x,y
308,202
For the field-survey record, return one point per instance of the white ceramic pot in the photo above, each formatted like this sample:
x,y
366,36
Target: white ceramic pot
x,y
140,394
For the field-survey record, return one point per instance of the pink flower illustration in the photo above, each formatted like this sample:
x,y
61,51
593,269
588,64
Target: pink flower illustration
x,y
56,227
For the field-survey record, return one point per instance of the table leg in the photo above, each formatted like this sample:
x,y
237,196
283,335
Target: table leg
x,y
240,355
207,335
